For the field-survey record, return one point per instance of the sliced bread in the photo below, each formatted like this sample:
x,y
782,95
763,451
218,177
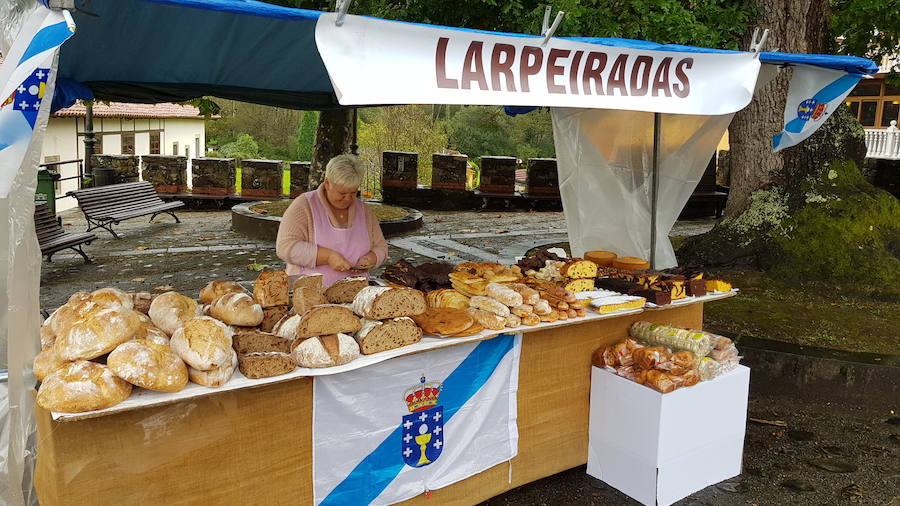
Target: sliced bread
x,y
344,290
327,319
260,342
265,364
382,302
376,336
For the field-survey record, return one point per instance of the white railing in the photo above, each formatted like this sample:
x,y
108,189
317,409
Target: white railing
x,y
884,143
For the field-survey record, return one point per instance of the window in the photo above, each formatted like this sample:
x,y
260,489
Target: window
x,y
98,144
187,152
891,90
154,143
867,89
127,143
890,110
174,149
867,113
197,151
854,109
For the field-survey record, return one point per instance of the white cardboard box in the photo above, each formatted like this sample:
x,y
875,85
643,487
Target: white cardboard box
x,y
659,448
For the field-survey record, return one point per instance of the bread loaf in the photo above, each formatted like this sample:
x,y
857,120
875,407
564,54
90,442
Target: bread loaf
x,y
313,281
203,343
504,294
170,310
46,362
260,342
287,326
325,351
237,309
271,289
215,289
146,330
82,386
98,331
112,297
271,316
490,305
444,321
382,302
529,295
217,376
141,301
325,320
376,336
266,364
148,365
305,298
48,337
345,290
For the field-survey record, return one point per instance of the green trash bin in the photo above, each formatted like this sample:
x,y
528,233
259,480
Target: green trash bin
x,y
46,189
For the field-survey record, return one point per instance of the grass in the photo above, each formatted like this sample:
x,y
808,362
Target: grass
x,y
381,211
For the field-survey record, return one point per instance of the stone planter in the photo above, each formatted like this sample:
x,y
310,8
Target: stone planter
x,y
498,174
168,174
299,178
542,177
213,176
261,178
126,166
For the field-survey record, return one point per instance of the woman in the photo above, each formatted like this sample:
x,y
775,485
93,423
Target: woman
x,y
329,230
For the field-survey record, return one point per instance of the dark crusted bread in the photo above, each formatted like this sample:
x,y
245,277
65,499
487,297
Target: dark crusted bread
x,y
327,319
258,342
265,364
376,336
271,316
344,290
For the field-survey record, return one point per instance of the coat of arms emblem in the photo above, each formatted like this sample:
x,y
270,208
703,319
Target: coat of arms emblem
x,y
423,427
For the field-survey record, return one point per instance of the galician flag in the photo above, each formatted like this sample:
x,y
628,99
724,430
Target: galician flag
x,y
814,94
389,432
27,77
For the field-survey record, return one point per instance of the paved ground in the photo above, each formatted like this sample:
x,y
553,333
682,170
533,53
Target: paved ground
x,y
778,460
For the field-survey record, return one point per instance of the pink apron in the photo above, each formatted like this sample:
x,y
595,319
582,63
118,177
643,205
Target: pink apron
x,y
352,242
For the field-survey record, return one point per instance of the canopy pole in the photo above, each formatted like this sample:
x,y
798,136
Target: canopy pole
x,y
654,188
354,146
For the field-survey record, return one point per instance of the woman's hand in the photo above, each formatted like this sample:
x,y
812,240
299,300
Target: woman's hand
x,y
337,262
366,261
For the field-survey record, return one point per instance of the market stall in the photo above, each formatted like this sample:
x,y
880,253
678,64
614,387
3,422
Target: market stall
x,y
239,438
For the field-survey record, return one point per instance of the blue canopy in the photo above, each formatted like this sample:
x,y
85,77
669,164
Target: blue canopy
x,y
175,50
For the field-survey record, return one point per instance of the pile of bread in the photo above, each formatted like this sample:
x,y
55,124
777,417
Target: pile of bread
x,y
99,345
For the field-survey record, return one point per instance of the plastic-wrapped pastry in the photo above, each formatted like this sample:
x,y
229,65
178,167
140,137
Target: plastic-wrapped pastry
x,y
659,381
697,341
623,354
682,362
647,358
723,354
708,368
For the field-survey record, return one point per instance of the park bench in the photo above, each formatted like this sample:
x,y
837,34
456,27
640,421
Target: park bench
x,y
105,206
52,237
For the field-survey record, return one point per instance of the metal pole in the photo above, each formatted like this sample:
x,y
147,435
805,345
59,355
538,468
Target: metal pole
x,y
89,140
354,147
654,188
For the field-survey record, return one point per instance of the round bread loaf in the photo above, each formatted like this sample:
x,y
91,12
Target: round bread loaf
x,y
46,362
215,289
82,386
147,330
325,320
287,326
142,301
237,309
203,343
98,331
217,376
170,310
70,312
325,351
148,365
382,302
376,336
112,297
444,321
48,337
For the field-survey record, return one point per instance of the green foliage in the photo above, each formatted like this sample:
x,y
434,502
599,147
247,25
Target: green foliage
x,y
273,128
869,28
208,107
244,148
306,135
401,128
487,130
215,154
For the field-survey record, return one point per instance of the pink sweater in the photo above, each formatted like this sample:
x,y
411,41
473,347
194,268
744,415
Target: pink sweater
x,y
296,243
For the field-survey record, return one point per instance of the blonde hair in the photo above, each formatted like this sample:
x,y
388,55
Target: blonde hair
x,y
345,170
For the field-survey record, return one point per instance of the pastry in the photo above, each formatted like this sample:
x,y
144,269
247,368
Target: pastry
x,y
271,289
307,297
717,285
531,320
578,268
266,364
443,321
345,290
529,295
446,297
504,294
601,258
326,319
513,321
631,263
580,285
475,328
696,287
98,331
325,351
488,319
215,289
490,305
271,316
170,310
550,317
217,376
237,309
148,365
203,343
257,342
382,302
617,303
82,386
654,296
376,336
522,311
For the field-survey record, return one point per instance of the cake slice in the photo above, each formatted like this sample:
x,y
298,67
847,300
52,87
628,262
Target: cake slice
x,y
265,364
258,342
580,285
344,290
376,336
382,302
327,319
578,268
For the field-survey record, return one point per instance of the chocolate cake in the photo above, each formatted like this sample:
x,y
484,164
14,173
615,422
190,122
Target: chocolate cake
x,y
696,287
426,277
655,296
619,285
537,260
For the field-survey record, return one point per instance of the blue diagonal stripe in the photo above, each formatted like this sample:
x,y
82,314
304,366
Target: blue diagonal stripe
x,y
46,38
371,476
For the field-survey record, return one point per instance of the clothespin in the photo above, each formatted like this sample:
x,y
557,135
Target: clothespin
x,y
756,46
341,6
547,32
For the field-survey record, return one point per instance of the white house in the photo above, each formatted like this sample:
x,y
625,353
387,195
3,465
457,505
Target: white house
x,y
121,128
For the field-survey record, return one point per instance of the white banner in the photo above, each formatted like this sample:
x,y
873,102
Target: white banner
x,y
374,61
25,77
814,94
394,430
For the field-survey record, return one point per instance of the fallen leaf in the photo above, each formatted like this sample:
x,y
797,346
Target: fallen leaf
x,y
438,220
257,267
207,238
164,288
154,221
177,233
777,423
139,280
142,248
501,231
451,253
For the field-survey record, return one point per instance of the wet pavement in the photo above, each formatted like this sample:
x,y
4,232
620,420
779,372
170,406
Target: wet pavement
x,y
822,454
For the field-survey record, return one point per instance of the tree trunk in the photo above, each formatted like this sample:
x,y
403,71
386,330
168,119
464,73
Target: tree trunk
x,y
333,137
795,26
